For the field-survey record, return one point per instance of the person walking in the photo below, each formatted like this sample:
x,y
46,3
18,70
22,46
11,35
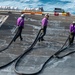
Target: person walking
x,y
72,33
44,27
20,24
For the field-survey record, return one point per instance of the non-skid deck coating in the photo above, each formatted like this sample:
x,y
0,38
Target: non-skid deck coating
x,y
57,33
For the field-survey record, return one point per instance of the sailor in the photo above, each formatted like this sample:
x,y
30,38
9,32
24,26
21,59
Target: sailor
x,y
20,24
72,33
44,26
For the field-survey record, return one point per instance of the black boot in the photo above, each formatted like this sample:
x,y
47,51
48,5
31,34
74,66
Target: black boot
x,y
39,39
42,39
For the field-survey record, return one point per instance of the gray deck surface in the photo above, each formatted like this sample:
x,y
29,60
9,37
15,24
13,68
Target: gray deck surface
x,y
57,33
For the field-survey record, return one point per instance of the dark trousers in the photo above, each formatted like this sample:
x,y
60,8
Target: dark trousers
x,y
43,33
71,38
18,34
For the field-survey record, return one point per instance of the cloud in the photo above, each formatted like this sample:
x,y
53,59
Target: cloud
x,y
29,0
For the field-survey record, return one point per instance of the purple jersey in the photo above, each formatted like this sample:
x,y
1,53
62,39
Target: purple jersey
x,y
72,28
44,22
20,22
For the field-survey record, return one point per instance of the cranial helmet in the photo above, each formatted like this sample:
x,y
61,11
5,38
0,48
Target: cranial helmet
x,y
73,22
23,15
47,15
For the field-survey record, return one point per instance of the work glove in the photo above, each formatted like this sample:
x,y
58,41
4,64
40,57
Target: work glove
x,y
41,30
70,35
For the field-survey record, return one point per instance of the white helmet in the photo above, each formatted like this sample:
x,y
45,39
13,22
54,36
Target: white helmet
x,y
47,15
73,21
22,15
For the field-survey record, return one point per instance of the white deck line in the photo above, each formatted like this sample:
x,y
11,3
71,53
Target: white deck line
x,y
3,19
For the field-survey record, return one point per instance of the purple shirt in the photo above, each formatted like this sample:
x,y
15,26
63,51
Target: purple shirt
x,y
72,28
44,22
20,22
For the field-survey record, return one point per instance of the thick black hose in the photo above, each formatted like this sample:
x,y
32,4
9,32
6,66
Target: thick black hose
x,y
28,50
23,52
59,57
62,49
3,66
9,43
6,47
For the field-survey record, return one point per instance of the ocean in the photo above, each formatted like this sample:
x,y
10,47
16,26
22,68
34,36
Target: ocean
x,y
48,5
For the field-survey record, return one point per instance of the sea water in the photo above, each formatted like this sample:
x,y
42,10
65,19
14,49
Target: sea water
x,y
48,5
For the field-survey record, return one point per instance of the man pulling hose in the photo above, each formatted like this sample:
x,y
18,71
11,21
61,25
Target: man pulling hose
x,y
44,26
72,33
20,24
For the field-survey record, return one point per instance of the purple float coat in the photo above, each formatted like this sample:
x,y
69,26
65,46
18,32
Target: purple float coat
x,y
44,22
20,22
72,28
